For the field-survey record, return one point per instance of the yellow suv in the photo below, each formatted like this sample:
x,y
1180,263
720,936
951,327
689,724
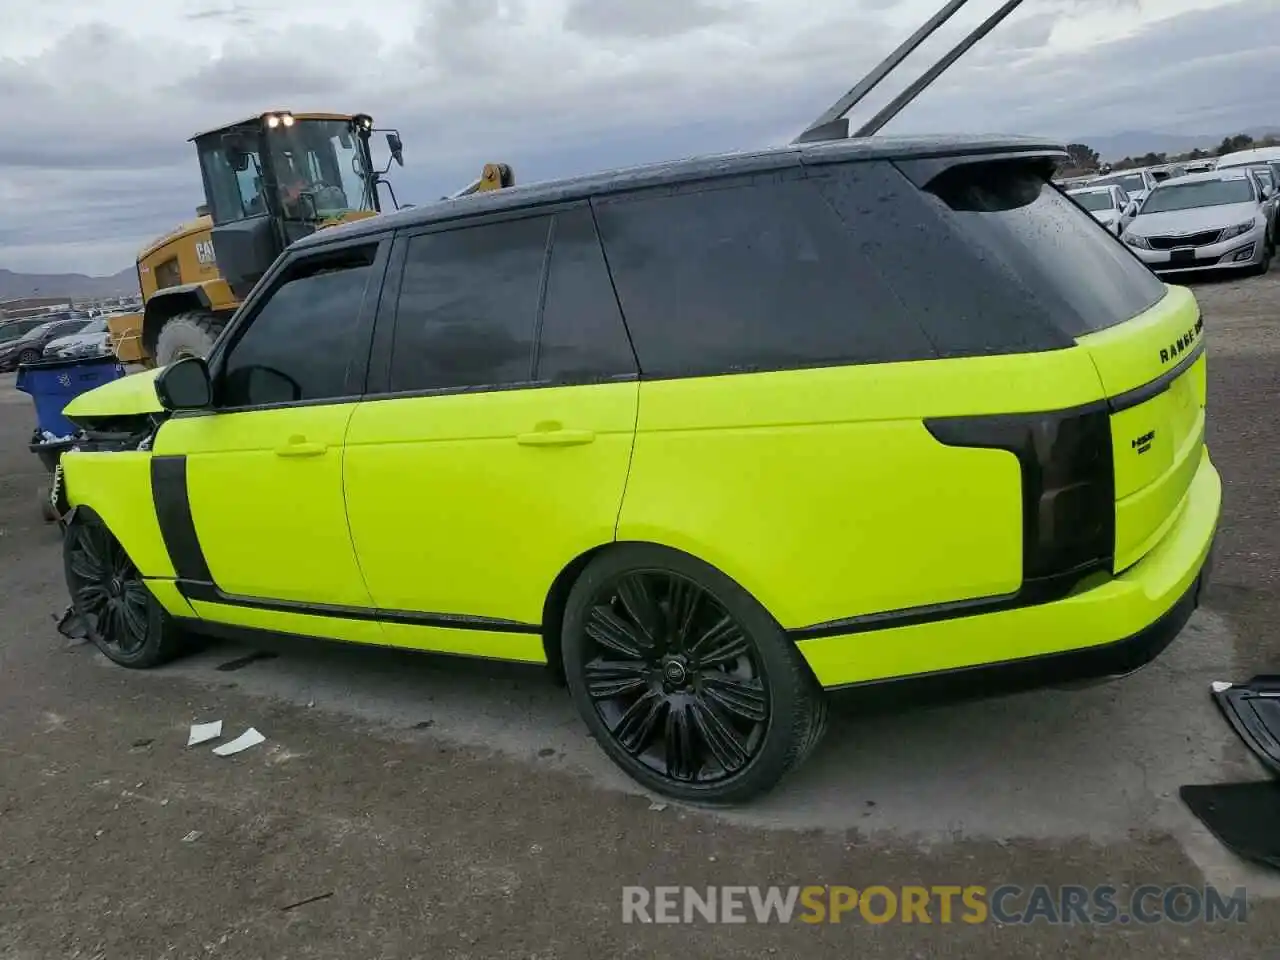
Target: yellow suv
x,y
712,438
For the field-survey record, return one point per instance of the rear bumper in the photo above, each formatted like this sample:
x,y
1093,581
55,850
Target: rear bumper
x,y
1113,628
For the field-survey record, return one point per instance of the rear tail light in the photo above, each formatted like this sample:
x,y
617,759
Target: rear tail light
x,y
1068,490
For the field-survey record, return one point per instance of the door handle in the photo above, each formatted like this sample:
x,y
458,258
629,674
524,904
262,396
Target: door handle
x,y
555,437
300,447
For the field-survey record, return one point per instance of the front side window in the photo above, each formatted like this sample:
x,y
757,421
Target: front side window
x,y
233,175
468,305
298,345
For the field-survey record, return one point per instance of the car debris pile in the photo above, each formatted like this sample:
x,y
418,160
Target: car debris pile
x,y
1245,817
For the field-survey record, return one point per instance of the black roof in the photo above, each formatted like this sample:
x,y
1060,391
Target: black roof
x,y
683,171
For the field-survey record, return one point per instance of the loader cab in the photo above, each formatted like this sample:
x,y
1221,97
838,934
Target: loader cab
x,y
275,178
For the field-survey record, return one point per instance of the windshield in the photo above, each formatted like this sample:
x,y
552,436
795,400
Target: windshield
x,y
1203,193
322,160
1094,200
1129,183
95,326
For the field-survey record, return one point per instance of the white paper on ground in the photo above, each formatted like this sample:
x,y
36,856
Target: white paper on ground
x,y
203,732
1218,686
250,738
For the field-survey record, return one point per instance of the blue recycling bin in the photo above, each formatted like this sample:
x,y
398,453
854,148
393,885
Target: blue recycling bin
x,y
52,384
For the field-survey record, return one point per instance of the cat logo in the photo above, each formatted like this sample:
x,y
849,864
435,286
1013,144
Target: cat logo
x,y
204,252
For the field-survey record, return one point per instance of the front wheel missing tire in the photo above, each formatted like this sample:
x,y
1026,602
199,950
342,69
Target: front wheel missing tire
x,y
684,679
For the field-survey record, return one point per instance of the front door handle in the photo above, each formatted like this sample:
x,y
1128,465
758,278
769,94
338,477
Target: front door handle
x,y
300,447
555,436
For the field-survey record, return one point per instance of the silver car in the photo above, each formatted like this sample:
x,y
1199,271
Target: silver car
x,y
91,340
1203,221
1110,206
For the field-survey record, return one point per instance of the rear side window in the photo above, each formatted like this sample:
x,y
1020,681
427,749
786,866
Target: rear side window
x,y
1006,214
467,308
299,343
583,339
745,274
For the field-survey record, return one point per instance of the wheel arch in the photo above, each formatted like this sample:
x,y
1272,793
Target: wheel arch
x,y
166,304
115,488
553,609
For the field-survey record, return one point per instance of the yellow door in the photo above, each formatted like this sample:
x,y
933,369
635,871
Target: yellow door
x,y
467,500
261,471
265,492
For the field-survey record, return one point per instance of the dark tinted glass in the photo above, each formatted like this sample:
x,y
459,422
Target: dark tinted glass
x,y
583,339
1008,217
467,308
748,274
299,344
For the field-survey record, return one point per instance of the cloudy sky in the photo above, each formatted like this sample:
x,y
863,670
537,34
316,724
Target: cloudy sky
x,y
98,97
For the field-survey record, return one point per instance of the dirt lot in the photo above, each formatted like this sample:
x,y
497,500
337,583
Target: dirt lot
x,y
448,810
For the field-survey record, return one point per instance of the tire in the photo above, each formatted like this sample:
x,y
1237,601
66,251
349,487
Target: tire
x,y
119,613
189,334
28,356
1262,268
712,659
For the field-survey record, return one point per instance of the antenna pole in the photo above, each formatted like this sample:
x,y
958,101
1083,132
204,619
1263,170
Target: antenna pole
x,y
890,63
904,99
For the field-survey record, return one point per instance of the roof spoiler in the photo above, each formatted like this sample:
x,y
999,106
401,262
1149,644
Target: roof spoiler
x,y
833,123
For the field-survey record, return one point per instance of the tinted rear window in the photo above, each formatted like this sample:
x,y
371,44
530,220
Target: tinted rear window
x,y
1006,215
748,274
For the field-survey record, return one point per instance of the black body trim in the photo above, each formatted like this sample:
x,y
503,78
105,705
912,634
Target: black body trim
x,y
1140,395
173,514
195,582
1068,668
208,592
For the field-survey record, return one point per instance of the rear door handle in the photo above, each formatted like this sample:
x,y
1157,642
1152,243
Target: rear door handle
x,y
556,438
300,447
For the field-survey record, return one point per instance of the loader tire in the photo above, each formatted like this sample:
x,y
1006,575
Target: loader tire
x,y
189,334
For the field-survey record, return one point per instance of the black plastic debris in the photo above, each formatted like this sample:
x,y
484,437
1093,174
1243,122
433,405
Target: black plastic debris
x,y
1253,709
70,624
1245,817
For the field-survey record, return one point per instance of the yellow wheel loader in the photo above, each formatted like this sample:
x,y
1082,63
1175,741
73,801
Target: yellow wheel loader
x,y
268,181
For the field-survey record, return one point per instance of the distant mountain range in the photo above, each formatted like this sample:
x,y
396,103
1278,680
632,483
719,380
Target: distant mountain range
x,y
1137,143
70,285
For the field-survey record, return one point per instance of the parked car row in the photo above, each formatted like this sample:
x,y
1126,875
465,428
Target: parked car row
x,y
38,338
1222,214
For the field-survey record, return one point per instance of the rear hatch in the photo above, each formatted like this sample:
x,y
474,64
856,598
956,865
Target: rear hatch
x,y
1066,273
1153,371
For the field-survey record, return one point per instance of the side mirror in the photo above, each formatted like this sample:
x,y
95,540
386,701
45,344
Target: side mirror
x,y
1132,211
185,385
1267,193
396,146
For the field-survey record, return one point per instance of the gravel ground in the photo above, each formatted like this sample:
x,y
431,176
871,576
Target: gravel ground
x,y
451,810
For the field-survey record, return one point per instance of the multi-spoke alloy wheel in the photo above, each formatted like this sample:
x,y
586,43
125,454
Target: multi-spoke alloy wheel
x,y
111,600
686,682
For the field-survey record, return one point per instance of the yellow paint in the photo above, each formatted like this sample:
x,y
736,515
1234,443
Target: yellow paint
x,y
134,394
1112,611
170,597
117,487
451,513
271,522
821,492
125,330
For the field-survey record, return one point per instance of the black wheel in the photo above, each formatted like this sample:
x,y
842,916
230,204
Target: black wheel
x,y
119,613
28,356
684,679
189,334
